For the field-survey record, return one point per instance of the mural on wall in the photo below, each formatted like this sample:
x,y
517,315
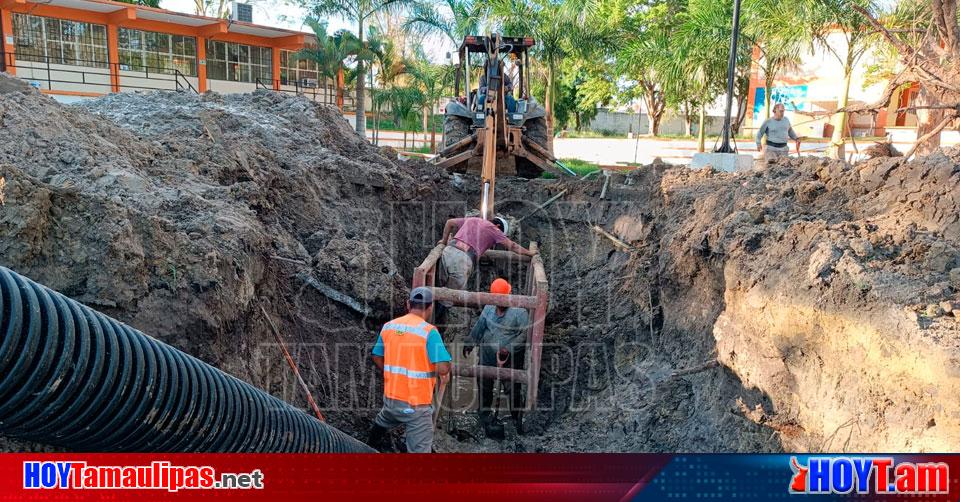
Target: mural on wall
x,y
793,97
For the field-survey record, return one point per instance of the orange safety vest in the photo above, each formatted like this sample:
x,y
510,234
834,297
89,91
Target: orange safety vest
x,y
408,374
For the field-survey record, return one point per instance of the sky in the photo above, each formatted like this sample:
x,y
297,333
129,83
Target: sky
x,y
278,14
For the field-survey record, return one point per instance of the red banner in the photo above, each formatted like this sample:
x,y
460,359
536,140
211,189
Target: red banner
x,y
324,477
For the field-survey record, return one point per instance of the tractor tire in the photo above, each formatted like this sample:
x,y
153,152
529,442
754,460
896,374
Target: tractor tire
x,y
455,128
537,131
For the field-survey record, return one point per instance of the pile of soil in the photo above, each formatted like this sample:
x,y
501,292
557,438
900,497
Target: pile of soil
x,y
182,214
811,305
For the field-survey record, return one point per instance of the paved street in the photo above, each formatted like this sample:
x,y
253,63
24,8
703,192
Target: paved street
x,y
614,151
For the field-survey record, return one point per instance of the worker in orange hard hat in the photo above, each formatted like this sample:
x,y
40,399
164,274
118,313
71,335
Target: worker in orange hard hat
x,y
500,287
501,333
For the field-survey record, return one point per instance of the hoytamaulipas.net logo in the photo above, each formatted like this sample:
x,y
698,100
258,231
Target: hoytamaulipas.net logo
x,y
876,475
159,475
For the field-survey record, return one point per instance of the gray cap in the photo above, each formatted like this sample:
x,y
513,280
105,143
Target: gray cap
x,y
421,296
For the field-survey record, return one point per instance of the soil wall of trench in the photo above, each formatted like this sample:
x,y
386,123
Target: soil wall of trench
x,y
805,306
808,305
183,215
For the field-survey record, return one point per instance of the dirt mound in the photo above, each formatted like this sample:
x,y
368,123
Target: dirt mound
x,y
882,149
807,306
811,305
182,214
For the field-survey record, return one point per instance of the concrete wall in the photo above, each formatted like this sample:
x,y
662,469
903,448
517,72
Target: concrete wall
x,y
88,80
67,78
622,123
230,87
131,81
908,135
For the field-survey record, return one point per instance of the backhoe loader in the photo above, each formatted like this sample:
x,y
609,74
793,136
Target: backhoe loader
x,y
489,130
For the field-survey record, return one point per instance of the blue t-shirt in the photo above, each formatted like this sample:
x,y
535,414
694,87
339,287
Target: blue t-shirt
x,y
436,351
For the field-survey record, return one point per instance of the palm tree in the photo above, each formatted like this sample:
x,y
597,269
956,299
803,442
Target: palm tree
x,y
696,70
330,53
430,79
637,41
641,60
832,21
465,17
391,67
357,11
779,44
561,28
404,102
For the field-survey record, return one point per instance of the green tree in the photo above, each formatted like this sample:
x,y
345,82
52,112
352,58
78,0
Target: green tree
x,y
561,28
404,102
639,46
431,79
842,31
643,61
330,54
357,11
391,68
696,70
592,86
146,3
453,19
779,43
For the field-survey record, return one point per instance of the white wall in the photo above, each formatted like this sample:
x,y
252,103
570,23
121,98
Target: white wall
x,y
58,77
822,75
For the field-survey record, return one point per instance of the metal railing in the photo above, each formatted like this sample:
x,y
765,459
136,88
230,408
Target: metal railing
x,y
325,94
50,72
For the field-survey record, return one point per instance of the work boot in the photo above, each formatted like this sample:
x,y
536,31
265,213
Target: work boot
x,y
518,421
485,417
493,429
375,439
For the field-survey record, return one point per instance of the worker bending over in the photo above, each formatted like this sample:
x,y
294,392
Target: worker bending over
x,y
501,333
777,129
411,354
473,238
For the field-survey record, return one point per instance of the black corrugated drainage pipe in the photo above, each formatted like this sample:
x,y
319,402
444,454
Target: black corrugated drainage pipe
x,y
75,378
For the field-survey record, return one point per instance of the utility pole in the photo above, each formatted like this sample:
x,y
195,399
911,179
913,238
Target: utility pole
x,y
731,75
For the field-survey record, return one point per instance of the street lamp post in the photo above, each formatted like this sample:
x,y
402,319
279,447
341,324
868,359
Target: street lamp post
x,y
725,146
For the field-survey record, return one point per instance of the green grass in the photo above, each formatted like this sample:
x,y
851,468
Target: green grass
x,y
593,134
419,149
581,167
413,126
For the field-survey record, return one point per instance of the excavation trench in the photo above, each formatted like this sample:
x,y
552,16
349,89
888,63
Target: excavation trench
x,y
629,362
689,311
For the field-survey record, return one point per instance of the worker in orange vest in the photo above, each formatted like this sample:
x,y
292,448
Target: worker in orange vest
x,y
411,354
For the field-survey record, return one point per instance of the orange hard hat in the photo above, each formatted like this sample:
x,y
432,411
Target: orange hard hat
x,y
500,287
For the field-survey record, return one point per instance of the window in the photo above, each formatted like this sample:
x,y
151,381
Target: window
x,y
43,39
156,52
238,62
293,71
